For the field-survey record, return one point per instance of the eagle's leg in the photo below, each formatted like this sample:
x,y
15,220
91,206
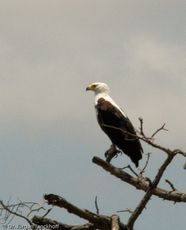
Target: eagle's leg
x,y
112,152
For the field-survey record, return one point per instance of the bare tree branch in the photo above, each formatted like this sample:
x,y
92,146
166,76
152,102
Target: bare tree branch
x,y
140,182
100,221
162,128
14,213
53,224
149,193
178,151
115,222
148,140
95,220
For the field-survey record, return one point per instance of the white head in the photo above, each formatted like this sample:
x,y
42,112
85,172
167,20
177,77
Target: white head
x,y
98,87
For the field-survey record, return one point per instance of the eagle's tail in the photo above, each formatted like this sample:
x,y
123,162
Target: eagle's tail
x,y
134,150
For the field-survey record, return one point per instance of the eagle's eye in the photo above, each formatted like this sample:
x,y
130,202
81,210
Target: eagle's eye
x,y
94,86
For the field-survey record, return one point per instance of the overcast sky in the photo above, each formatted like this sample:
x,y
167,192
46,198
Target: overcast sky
x,y
49,52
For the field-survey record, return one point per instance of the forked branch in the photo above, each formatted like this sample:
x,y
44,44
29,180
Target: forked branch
x,y
149,193
99,221
140,182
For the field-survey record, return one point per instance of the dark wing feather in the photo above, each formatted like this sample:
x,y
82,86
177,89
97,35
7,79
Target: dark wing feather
x,y
116,126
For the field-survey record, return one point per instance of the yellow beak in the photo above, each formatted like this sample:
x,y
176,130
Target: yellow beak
x,y
89,88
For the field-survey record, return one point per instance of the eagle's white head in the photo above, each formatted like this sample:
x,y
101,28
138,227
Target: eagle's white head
x,y
98,87
101,90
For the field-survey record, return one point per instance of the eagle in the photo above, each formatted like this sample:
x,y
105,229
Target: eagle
x,y
115,124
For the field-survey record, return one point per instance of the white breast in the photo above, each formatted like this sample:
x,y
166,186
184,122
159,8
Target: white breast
x,y
108,98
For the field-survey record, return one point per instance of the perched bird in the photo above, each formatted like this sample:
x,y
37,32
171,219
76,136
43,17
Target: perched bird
x,y
115,124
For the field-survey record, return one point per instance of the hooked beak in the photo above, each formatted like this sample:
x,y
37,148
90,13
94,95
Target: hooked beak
x,y
88,88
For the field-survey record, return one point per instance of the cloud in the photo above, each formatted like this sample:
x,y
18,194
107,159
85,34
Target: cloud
x,y
151,55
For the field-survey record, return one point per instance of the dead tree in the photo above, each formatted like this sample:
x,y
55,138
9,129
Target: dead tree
x,y
94,220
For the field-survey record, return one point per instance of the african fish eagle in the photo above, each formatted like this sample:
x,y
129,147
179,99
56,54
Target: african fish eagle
x,y
115,123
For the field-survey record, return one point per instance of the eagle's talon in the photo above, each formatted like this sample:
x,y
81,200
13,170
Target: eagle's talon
x,y
112,152
107,153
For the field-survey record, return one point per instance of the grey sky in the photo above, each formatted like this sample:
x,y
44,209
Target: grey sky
x,y
49,52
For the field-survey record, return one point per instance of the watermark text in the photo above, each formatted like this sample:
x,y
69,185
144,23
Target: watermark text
x,y
28,227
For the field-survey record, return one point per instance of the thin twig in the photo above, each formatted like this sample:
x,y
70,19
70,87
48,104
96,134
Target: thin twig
x,y
35,210
162,128
96,205
47,212
178,151
131,169
126,210
170,184
141,126
15,213
146,163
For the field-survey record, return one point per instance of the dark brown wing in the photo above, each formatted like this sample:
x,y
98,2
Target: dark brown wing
x,y
118,128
